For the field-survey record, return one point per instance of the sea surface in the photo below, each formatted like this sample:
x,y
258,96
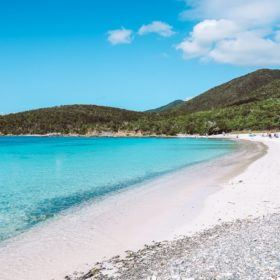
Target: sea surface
x,y
42,176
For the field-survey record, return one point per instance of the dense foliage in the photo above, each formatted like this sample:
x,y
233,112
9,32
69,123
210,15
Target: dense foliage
x,y
261,115
251,102
79,119
170,106
230,93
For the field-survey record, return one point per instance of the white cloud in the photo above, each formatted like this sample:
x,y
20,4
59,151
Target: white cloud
x,y
252,11
161,28
235,32
192,49
209,31
120,36
204,35
247,49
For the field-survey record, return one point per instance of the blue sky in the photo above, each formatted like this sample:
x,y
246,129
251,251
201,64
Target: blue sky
x,y
56,52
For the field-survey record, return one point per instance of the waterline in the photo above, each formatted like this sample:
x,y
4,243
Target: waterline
x,y
40,177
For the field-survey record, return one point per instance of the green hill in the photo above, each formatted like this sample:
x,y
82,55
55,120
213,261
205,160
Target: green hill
x,y
230,93
170,106
79,119
251,102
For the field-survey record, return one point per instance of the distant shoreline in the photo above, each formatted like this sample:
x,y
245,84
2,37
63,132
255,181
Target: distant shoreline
x,y
131,134
92,135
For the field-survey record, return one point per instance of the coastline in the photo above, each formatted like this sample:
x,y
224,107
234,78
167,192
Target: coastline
x,y
124,221
235,236
105,134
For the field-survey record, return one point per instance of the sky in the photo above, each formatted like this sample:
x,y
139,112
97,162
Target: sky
x,y
136,55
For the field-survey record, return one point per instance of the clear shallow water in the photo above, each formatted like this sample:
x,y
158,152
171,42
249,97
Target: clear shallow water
x,y
40,176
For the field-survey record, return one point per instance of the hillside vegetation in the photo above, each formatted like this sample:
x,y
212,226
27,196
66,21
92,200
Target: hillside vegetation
x,y
169,106
79,119
230,93
251,102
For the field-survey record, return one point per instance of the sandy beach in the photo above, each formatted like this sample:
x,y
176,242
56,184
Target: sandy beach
x,y
253,193
242,185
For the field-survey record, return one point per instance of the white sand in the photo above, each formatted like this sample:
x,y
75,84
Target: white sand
x,y
253,193
161,209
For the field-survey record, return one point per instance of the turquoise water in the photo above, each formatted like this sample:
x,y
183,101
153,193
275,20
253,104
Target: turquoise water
x,y
41,176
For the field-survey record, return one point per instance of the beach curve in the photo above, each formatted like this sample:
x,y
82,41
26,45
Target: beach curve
x,y
39,254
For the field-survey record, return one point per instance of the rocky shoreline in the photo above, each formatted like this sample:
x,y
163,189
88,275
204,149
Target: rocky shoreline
x,y
244,249
96,134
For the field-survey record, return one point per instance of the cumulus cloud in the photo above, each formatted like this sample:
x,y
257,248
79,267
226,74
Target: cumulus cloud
x,y
247,49
252,11
120,36
161,28
234,32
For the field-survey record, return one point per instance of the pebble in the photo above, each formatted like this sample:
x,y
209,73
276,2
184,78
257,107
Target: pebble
x,y
245,249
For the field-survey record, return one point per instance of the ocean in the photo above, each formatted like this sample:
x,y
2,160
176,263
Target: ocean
x,y
42,176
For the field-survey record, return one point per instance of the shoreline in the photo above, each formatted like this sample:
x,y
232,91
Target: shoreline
x,y
235,236
93,232
133,134
104,134
237,241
